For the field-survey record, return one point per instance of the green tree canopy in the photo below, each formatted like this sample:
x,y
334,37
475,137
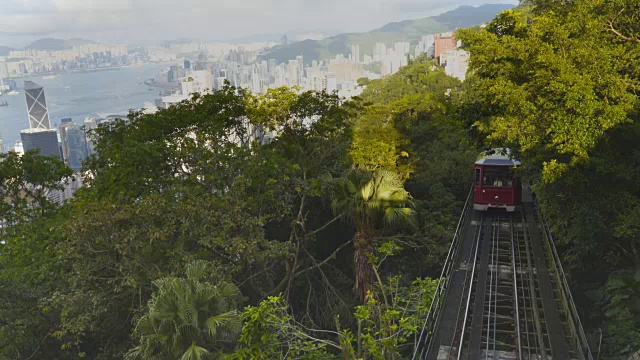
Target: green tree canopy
x,y
554,81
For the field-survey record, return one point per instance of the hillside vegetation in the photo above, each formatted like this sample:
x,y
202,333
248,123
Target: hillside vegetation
x,y
286,228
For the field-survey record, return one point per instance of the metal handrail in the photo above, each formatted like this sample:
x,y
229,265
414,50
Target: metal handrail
x,y
572,312
443,281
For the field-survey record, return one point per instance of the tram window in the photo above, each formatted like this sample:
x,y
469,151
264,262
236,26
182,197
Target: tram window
x,y
498,177
477,176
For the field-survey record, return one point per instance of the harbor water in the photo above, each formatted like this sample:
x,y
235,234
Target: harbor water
x,y
79,95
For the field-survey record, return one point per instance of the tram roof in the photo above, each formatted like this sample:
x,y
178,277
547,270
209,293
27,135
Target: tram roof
x,y
497,157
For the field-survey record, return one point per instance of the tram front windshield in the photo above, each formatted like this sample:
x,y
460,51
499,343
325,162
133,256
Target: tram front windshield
x,y
498,177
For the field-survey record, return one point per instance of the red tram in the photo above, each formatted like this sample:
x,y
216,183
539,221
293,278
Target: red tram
x,y
495,184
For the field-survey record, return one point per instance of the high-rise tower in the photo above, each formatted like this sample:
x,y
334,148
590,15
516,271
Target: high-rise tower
x,y
355,53
36,106
39,135
74,146
44,140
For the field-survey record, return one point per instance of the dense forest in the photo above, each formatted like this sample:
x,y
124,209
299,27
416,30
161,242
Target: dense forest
x,y
305,226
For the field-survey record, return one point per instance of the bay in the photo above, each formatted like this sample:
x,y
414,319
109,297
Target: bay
x,y
78,95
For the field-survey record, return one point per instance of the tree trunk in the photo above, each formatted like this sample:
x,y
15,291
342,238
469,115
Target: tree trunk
x,y
363,269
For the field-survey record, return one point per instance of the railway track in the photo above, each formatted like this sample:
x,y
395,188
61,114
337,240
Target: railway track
x,y
502,294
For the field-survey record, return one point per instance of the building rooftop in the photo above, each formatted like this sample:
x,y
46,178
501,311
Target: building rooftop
x,y
36,130
30,85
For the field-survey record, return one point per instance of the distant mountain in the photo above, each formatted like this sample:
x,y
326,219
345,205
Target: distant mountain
x,y
57,44
292,35
468,16
409,30
78,42
257,38
4,50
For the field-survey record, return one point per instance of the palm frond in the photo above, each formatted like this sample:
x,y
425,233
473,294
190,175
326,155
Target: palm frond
x,y
394,195
145,326
368,190
227,290
229,321
196,270
204,295
398,216
135,353
195,352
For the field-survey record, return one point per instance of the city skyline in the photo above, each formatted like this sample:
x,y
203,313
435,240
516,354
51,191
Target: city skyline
x,y
200,66
136,21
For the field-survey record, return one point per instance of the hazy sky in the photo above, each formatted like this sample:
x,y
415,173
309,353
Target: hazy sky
x,y
144,21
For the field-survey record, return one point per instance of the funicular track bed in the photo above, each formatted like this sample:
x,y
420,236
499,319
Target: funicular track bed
x,y
502,300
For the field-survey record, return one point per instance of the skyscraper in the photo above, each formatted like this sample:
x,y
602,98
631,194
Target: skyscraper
x,y
330,84
271,65
36,106
456,63
425,46
74,146
89,125
292,72
4,71
355,53
379,51
300,60
402,48
45,140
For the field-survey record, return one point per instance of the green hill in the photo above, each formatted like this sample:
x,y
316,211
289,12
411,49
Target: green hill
x,y
468,16
408,30
57,44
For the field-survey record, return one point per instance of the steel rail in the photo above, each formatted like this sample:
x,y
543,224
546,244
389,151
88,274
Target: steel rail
x,y
493,263
497,270
495,300
524,298
466,311
515,292
467,279
532,293
436,300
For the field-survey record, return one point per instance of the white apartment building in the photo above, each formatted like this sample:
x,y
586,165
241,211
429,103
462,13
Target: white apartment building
x,y
456,63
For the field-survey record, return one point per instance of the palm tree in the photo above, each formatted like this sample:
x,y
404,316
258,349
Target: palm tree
x,y
370,202
188,319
